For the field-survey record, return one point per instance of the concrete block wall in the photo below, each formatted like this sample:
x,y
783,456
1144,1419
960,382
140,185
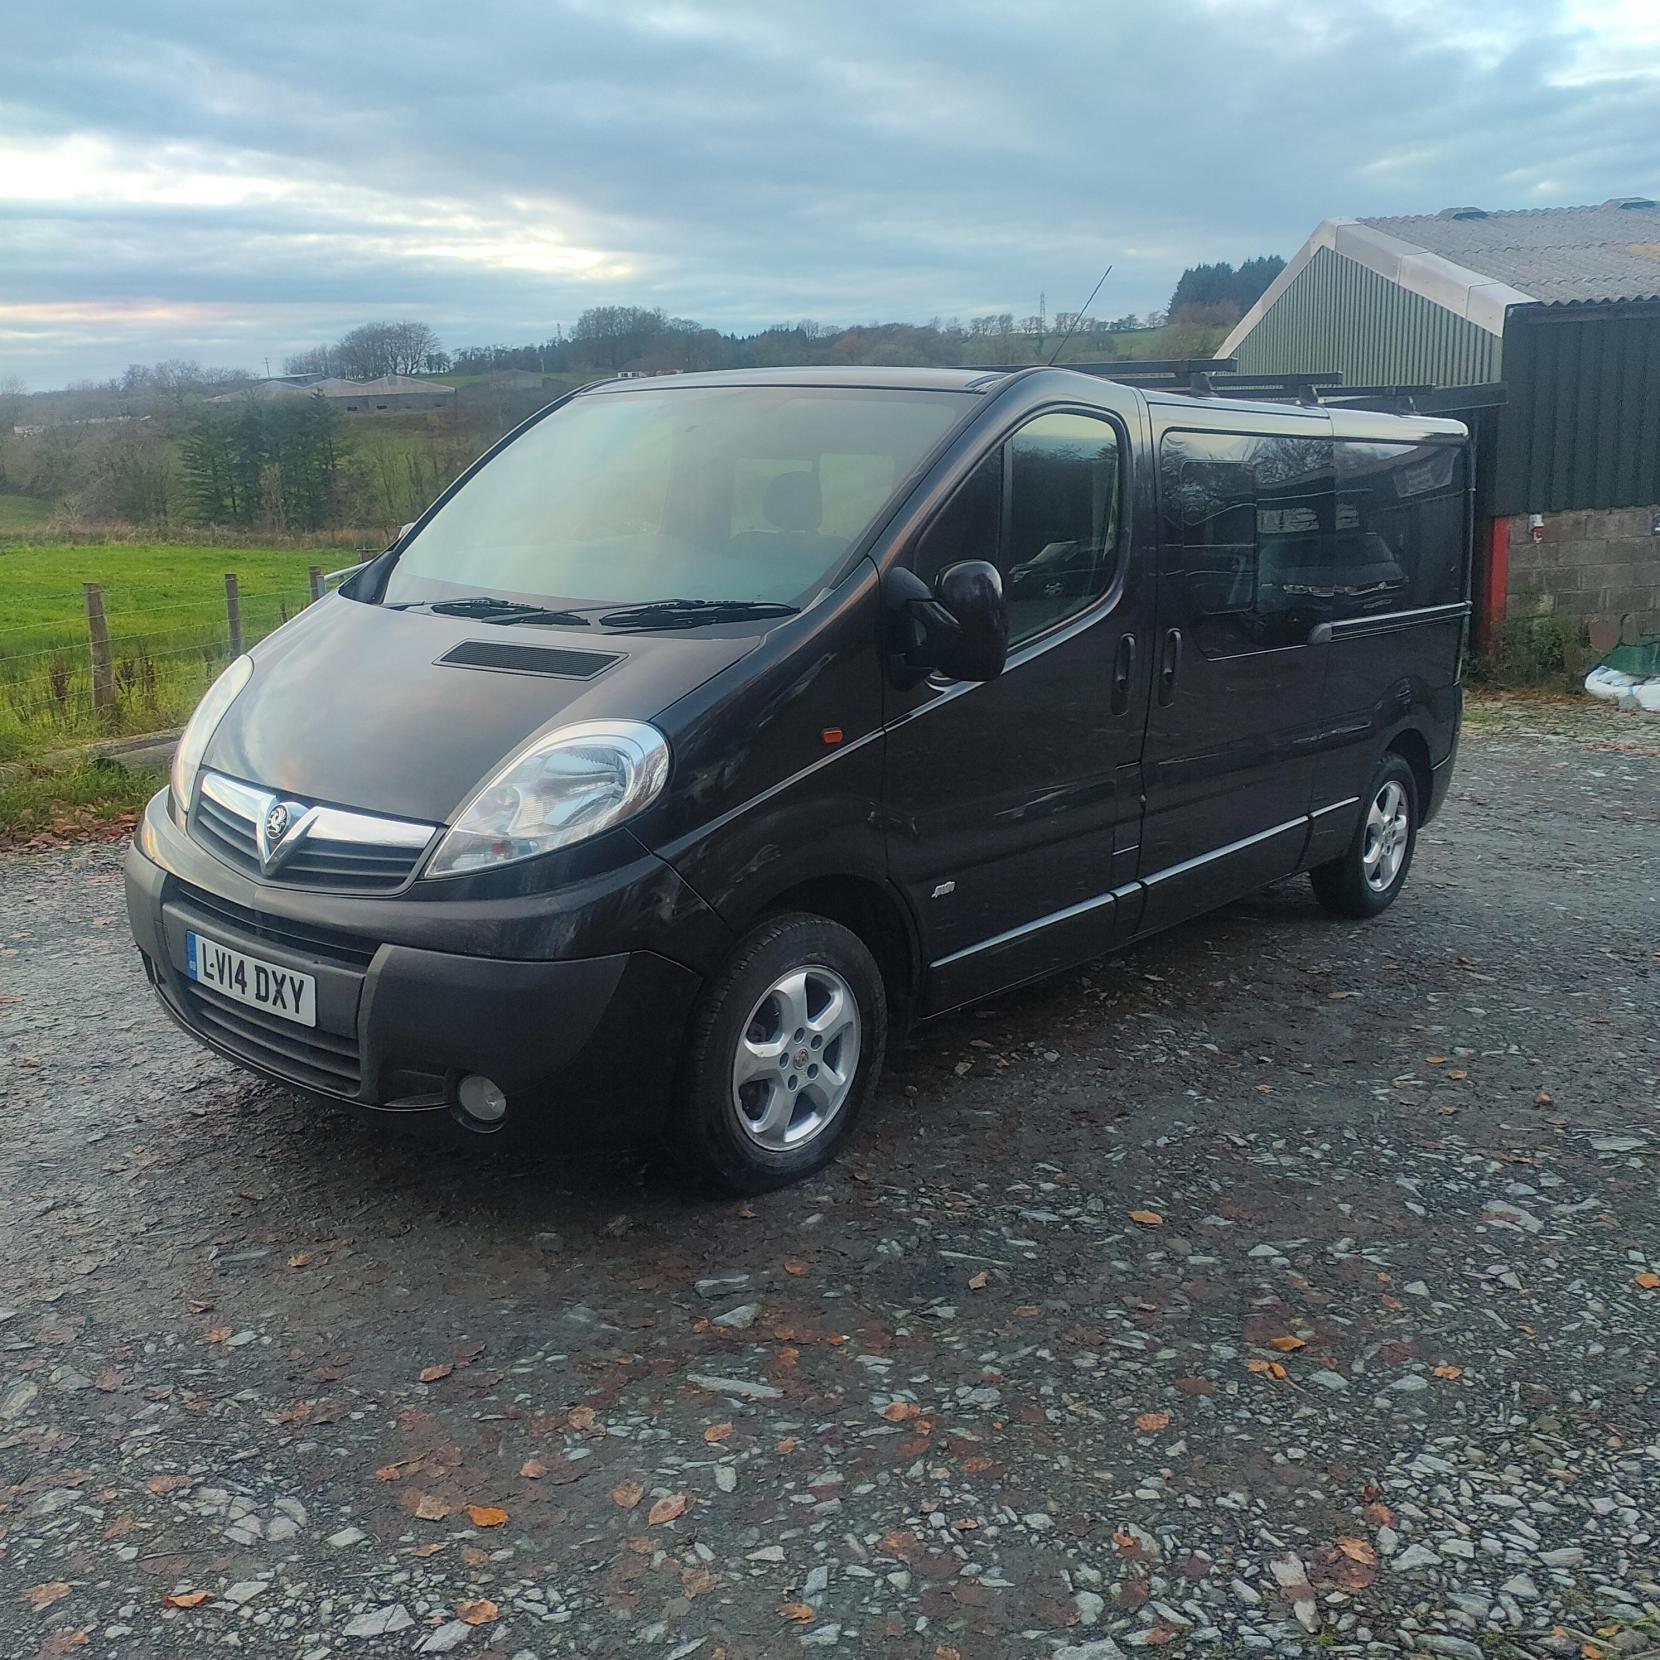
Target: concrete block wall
x,y
1600,564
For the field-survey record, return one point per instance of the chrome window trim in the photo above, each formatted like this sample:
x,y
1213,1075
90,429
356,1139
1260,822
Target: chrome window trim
x,y
1298,823
1388,622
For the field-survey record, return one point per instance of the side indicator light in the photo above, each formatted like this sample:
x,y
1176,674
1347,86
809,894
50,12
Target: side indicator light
x,y
832,735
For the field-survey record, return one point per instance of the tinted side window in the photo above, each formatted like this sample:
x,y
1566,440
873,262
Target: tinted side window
x,y
1399,541
1061,551
1251,517
969,526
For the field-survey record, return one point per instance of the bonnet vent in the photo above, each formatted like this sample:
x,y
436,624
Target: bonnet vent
x,y
514,659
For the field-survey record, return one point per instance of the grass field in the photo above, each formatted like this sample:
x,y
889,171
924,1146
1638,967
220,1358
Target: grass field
x,y
21,514
168,628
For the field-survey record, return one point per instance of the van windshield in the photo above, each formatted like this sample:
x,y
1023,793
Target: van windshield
x,y
742,494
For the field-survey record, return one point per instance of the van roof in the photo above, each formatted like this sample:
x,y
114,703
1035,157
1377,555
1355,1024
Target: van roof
x,y
850,375
1206,411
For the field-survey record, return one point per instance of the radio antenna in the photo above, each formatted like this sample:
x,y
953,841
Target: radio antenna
x,y
1078,316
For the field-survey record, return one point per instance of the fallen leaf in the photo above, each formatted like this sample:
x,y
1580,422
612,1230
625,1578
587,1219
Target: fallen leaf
x,y
717,1432
581,1417
433,1374
299,1259
1338,996
627,1494
481,1611
388,1472
1436,1060
1647,1279
1151,1422
901,1412
473,1557
1357,1550
167,1484
695,1582
184,1599
665,1510
1458,1074
1447,1372
1147,1218
1287,1345
430,1550
977,1282
787,1445
46,1593
1380,1515
486,1515
431,1508
797,1611
794,1267
217,1335
533,1468
1543,1099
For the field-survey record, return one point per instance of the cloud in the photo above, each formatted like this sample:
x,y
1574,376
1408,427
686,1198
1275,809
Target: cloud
x,y
230,182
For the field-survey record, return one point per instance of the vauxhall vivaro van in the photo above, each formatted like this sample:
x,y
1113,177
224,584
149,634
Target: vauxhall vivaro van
x,y
710,729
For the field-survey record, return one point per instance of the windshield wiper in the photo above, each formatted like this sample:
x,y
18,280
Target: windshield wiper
x,y
691,613
487,608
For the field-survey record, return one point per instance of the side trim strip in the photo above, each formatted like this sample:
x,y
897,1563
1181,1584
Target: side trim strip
x,y
772,790
1335,807
1025,928
1127,889
1222,852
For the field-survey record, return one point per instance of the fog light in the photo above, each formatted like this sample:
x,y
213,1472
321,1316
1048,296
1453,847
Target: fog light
x,y
481,1099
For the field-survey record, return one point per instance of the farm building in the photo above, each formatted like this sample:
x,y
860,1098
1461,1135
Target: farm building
x,y
1561,306
388,394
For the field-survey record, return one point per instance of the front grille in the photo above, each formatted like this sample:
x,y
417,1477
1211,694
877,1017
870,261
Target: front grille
x,y
330,944
324,1060
226,822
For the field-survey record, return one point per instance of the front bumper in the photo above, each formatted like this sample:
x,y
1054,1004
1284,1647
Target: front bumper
x,y
584,1047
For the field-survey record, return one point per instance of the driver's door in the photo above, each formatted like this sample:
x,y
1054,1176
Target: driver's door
x,y
1006,800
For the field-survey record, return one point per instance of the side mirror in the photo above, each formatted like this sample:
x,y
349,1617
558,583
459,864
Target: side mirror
x,y
960,627
973,593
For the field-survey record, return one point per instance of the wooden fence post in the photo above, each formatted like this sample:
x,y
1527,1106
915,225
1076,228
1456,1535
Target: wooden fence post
x,y
315,576
233,613
98,639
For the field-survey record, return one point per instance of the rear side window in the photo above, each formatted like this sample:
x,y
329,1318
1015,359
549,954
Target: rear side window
x,y
1399,541
1251,517
1046,509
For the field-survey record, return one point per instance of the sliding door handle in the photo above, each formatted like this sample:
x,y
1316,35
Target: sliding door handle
x,y
1170,663
1123,674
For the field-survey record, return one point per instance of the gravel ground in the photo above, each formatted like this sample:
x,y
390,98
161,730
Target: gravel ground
x,y
1281,1285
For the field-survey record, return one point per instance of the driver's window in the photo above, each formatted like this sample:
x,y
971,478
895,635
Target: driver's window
x,y
1060,551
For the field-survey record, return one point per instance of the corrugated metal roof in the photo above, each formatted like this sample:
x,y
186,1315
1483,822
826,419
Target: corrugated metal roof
x,y
1556,255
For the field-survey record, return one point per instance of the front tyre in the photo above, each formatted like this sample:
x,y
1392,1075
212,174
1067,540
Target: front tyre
x,y
783,1051
1365,878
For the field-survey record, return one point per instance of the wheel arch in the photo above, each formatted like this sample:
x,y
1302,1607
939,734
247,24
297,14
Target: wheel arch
x,y
1413,748
867,907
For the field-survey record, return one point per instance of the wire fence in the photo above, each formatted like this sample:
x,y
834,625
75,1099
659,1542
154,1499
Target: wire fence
x,y
90,667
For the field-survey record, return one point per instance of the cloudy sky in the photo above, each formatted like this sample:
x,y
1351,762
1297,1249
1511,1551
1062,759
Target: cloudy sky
x,y
229,182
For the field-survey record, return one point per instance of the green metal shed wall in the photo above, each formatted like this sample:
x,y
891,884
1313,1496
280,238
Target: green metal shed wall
x,y
1582,427
1337,314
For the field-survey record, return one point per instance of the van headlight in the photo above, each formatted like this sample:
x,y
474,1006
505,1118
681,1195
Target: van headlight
x,y
569,785
193,741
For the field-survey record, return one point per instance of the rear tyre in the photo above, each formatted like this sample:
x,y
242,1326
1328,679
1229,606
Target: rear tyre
x,y
783,1050
1365,878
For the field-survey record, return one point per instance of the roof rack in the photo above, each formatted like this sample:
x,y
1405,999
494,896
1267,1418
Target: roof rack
x,y
1218,377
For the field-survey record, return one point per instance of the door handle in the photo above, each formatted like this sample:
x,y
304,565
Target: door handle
x,y
1123,674
1170,662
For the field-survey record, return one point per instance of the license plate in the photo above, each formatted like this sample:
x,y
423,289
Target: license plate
x,y
246,979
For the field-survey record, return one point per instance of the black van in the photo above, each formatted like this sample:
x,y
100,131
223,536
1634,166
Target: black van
x,y
710,728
